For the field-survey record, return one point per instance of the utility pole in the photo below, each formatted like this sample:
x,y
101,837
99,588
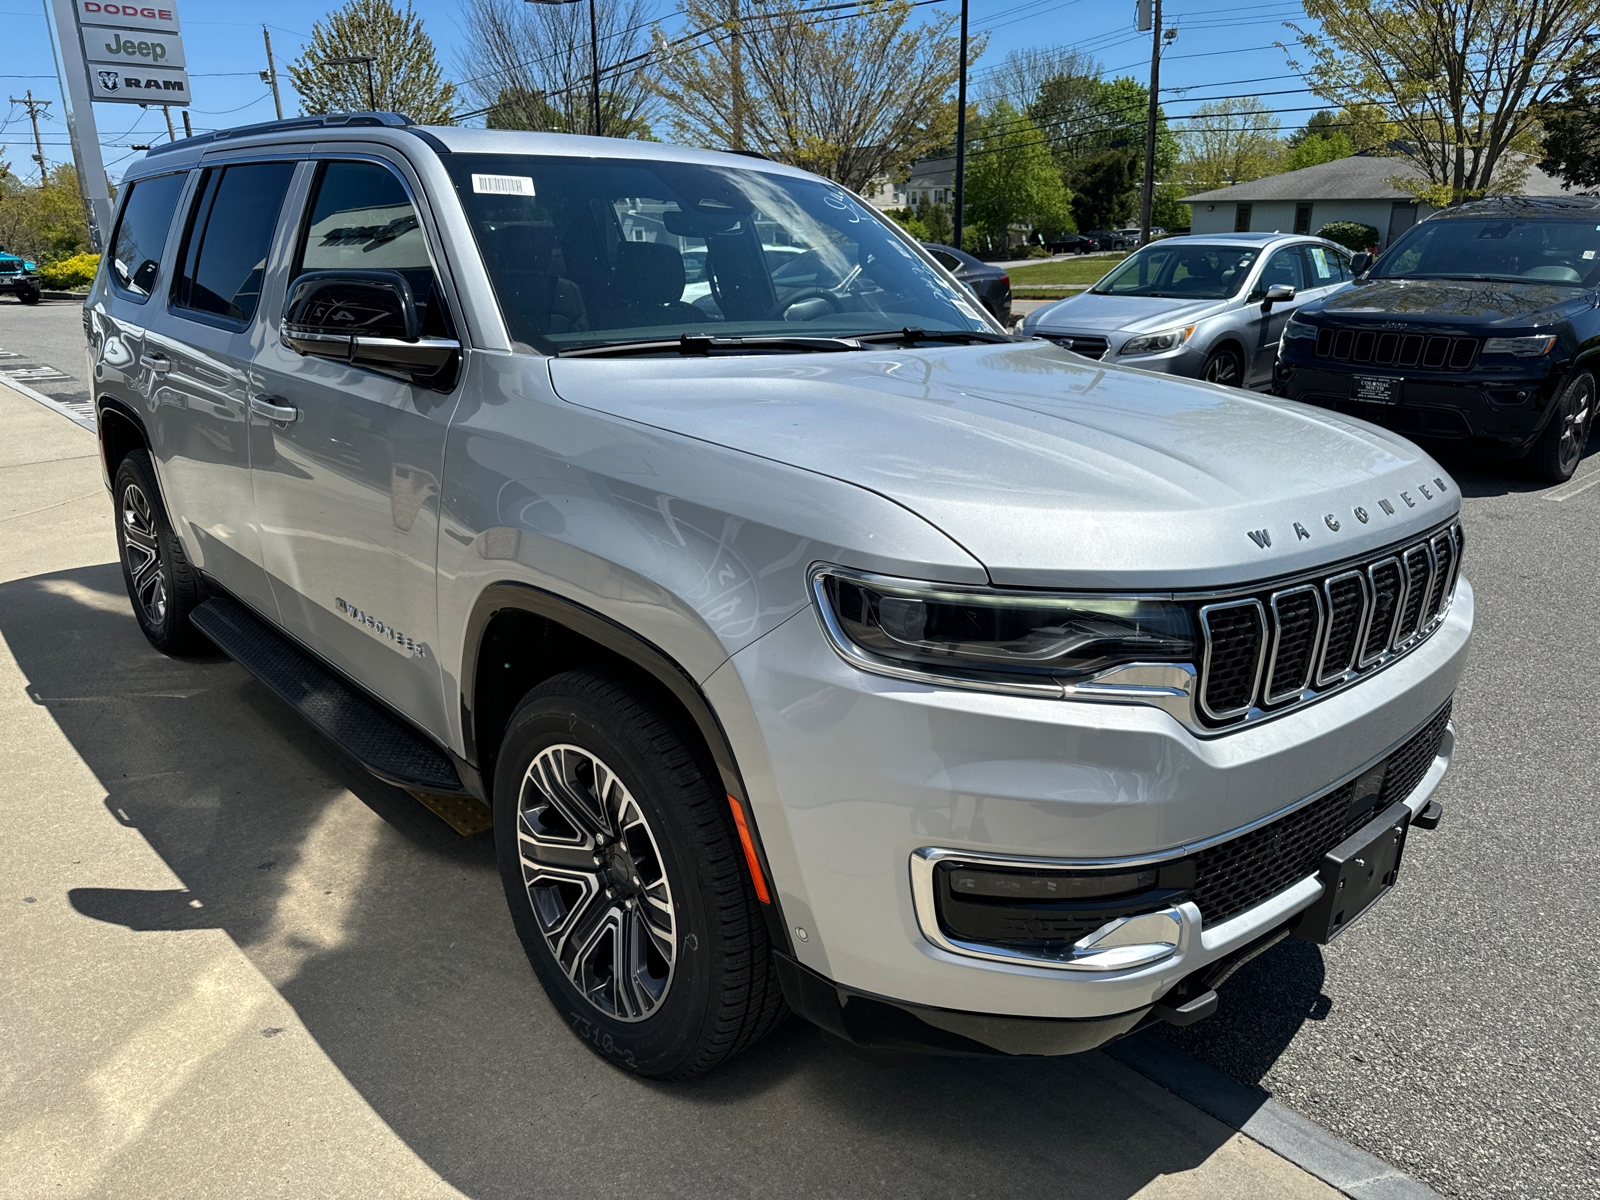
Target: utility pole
x,y
33,114
166,111
272,73
594,67
736,65
188,129
961,130
1158,39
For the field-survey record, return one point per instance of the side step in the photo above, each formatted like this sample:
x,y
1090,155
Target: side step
x,y
368,733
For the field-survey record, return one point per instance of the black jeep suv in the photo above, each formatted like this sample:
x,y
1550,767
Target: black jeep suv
x,y
1480,323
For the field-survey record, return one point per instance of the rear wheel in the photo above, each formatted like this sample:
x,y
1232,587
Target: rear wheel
x,y
163,586
1223,366
626,882
28,295
1560,447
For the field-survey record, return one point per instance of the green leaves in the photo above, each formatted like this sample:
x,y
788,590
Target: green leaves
x,y
405,75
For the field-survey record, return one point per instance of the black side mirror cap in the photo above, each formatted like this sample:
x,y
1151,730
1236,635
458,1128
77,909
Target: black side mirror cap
x,y
366,318
1359,262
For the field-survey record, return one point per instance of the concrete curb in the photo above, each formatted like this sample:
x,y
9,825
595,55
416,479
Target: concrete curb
x,y
1256,1115
71,413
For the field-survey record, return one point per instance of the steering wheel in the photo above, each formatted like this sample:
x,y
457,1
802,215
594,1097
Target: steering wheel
x,y
803,294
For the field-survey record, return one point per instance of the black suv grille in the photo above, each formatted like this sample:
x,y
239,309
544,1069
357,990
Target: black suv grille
x,y
1268,648
1433,352
1237,875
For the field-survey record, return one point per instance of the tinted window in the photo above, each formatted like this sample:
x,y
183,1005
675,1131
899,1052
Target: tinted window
x,y
142,232
230,231
362,218
1285,267
589,251
1180,269
1519,250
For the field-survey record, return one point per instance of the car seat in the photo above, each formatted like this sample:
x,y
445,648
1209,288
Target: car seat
x,y
647,282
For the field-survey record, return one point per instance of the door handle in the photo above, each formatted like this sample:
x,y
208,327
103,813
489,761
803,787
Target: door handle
x,y
159,363
263,406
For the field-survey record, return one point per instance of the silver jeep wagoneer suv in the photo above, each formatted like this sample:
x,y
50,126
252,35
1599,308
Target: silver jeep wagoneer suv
x,y
817,645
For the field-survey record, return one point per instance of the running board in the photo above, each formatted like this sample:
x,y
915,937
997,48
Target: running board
x,y
368,733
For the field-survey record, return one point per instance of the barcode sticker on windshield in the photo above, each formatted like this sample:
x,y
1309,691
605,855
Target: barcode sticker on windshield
x,y
503,185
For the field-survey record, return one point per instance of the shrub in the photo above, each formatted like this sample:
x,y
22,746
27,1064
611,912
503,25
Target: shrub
x,y
69,273
1038,252
1352,235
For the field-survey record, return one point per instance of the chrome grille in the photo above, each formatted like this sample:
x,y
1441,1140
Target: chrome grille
x,y
1435,352
1081,343
1285,644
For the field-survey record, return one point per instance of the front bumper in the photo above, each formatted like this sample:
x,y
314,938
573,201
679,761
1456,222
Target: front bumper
x,y
851,775
1506,407
20,283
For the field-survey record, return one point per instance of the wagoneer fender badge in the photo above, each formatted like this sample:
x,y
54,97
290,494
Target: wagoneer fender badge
x,y
1263,537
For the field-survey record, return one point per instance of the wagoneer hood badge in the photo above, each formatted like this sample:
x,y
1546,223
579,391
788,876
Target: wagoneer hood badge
x,y
1052,471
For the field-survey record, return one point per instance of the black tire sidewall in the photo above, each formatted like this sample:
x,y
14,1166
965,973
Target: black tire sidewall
x,y
1547,450
660,1044
173,635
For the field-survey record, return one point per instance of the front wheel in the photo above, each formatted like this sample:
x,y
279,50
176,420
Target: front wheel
x,y
1560,447
28,295
626,881
1223,366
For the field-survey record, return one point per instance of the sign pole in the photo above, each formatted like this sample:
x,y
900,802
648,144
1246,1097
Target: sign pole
x,y
73,73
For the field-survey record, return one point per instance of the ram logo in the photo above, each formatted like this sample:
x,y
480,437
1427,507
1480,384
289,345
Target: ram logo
x,y
110,80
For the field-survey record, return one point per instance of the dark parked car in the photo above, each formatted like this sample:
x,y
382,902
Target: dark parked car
x,y
1480,324
1107,239
1071,243
992,284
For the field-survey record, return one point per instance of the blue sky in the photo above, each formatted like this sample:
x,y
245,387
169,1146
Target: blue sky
x,y
1222,49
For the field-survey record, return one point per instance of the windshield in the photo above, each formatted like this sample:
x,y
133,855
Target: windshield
x,y
591,252
1181,270
1523,251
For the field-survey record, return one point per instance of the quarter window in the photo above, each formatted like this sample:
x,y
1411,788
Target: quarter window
x,y
1325,267
141,234
224,255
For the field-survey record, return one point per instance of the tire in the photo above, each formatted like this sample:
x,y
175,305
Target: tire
x,y
1560,447
29,295
681,918
162,586
1223,366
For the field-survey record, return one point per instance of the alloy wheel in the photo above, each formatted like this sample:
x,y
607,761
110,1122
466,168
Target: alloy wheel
x,y
142,546
1223,369
1576,423
597,882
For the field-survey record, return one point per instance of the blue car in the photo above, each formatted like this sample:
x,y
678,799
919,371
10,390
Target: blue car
x,y
19,277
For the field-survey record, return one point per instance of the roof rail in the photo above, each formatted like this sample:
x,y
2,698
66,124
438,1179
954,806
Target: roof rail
x,y
319,121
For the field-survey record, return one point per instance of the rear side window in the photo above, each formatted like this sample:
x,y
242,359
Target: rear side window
x,y
229,233
142,232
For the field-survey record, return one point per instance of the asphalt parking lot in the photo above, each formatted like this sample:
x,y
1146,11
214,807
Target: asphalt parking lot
x,y
238,965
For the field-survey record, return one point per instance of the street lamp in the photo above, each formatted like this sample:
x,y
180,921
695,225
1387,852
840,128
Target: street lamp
x,y
351,60
594,61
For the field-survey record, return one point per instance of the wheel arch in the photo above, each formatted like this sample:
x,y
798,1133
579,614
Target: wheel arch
x,y
121,433
532,635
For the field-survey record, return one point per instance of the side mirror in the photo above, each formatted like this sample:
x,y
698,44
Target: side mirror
x,y
1359,262
366,318
1278,293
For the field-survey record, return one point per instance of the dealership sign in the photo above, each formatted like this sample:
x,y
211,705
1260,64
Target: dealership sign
x,y
134,53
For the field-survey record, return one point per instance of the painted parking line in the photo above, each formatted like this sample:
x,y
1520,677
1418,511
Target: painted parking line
x,y
1569,492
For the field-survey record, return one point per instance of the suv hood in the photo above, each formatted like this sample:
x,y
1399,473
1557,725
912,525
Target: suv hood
x,y
1050,470
1450,302
1088,313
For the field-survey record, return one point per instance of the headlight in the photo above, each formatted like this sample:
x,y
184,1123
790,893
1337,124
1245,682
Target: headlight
x,y
1155,343
1027,642
1296,328
1521,347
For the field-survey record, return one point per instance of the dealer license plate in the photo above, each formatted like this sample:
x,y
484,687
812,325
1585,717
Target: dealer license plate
x,y
1376,389
1356,874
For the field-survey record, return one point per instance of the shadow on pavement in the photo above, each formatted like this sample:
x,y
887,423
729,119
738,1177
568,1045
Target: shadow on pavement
x,y
388,934
1483,475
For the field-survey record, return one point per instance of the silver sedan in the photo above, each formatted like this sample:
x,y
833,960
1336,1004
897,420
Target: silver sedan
x,y
1206,306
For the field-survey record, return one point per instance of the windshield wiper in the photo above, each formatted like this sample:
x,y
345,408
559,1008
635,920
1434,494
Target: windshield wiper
x,y
691,346
910,336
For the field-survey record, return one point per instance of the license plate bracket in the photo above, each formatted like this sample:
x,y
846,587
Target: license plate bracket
x,y
1376,389
1356,874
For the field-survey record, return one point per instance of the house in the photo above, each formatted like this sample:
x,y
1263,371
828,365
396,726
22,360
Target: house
x,y
931,179
1347,189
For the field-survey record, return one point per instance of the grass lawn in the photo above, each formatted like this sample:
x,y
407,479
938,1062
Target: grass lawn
x,y
1066,270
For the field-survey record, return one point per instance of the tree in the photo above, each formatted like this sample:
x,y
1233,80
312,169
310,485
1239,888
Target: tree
x,y
1103,190
405,75
1167,209
1023,75
1228,142
1572,137
45,222
1012,180
1319,124
1463,82
1318,148
529,66
848,95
